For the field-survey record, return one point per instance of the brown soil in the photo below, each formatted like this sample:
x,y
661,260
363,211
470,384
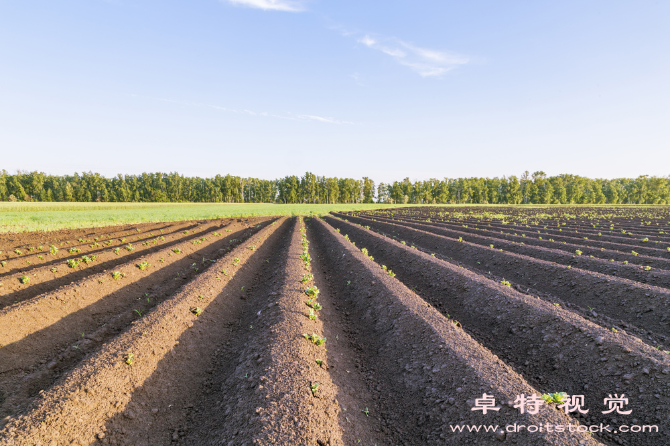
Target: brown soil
x,y
215,353
636,304
520,328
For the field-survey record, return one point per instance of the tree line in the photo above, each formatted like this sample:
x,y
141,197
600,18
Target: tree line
x,y
158,187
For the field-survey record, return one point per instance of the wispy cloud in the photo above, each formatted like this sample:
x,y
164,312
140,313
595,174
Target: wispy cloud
x,y
288,115
274,5
426,62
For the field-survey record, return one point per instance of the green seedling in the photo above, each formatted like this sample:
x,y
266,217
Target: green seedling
x,y
578,252
236,261
314,388
53,250
129,358
139,313
72,263
143,265
634,253
432,255
116,275
177,251
312,316
647,268
366,412
315,339
554,398
196,310
130,248
625,262
24,279
18,252
252,248
403,242
391,273
86,259
319,362
306,278
312,292
645,239
506,283
54,270
74,250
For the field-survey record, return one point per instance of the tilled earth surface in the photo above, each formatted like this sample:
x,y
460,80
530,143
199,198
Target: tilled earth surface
x,y
394,327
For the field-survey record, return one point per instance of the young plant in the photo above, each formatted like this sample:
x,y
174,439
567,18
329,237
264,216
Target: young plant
x,y
130,248
315,339
634,253
24,279
312,291
129,358
312,315
143,265
506,283
578,252
314,388
236,261
554,398
116,275
306,278
73,263
177,251
196,310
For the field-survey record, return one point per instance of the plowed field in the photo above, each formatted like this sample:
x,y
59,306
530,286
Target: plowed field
x,y
382,327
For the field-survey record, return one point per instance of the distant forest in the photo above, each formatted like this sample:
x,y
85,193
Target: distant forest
x,y
534,188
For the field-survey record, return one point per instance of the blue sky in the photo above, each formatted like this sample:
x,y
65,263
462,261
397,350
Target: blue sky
x,y
385,89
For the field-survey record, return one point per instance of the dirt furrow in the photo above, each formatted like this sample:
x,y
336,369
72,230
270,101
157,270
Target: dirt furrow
x,y
555,349
22,240
75,410
44,278
46,337
32,257
577,258
424,371
641,305
270,389
625,245
626,264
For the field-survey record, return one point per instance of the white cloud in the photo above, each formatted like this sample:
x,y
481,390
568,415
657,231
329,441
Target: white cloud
x,y
274,5
289,116
426,62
